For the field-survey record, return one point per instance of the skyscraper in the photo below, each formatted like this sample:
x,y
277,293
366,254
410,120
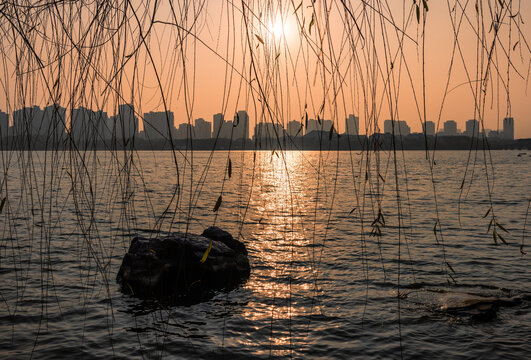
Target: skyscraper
x,y
267,134
158,125
396,127
352,125
4,124
312,125
508,128
472,128
429,128
218,125
53,123
203,129
241,125
80,125
294,128
27,121
36,122
222,129
124,124
318,125
184,131
450,128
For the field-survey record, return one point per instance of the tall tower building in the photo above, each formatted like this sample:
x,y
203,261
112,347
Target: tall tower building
x,y
80,129
202,129
87,127
352,125
313,125
388,126
218,125
294,129
158,125
326,125
126,123
4,124
54,122
400,127
472,128
185,131
241,125
429,128
27,121
450,128
508,128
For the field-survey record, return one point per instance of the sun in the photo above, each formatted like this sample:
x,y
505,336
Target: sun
x,y
277,29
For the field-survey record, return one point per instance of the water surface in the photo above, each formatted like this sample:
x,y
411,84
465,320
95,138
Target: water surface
x,y
331,242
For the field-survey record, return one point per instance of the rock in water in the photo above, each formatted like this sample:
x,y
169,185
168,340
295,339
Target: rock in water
x,y
472,303
169,268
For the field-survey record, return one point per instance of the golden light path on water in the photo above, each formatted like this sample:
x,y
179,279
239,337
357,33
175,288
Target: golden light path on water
x,y
286,253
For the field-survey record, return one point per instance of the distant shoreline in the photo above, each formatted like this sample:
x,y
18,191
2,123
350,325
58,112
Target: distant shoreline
x,y
314,141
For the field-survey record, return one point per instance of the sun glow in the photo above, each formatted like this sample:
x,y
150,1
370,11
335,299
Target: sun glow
x,y
277,29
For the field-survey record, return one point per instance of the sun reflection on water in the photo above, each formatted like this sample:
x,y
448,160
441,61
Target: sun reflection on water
x,y
283,246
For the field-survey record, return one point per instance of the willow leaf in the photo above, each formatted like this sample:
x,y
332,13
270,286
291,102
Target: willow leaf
x,y
501,227
207,251
218,204
259,39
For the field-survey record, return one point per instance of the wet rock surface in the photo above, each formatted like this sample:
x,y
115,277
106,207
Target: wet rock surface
x,y
474,304
170,269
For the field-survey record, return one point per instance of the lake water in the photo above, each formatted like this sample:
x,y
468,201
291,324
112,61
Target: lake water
x,y
332,244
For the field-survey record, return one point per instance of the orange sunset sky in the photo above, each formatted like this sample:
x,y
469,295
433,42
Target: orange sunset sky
x,y
279,60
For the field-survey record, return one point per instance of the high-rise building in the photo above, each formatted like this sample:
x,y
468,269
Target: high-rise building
x,y
312,125
218,125
388,126
396,127
294,128
268,133
327,125
54,122
202,129
159,125
472,128
102,125
241,125
124,125
428,128
88,127
403,128
508,128
4,124
36,122
352,125
80,125
318,125
450,128
185,131
222,129
227,130
27,121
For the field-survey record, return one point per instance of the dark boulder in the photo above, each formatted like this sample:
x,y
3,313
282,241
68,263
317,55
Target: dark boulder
x,y
226,238
169,268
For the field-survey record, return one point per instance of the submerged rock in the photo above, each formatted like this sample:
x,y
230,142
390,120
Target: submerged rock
x,y
169,268
474,305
